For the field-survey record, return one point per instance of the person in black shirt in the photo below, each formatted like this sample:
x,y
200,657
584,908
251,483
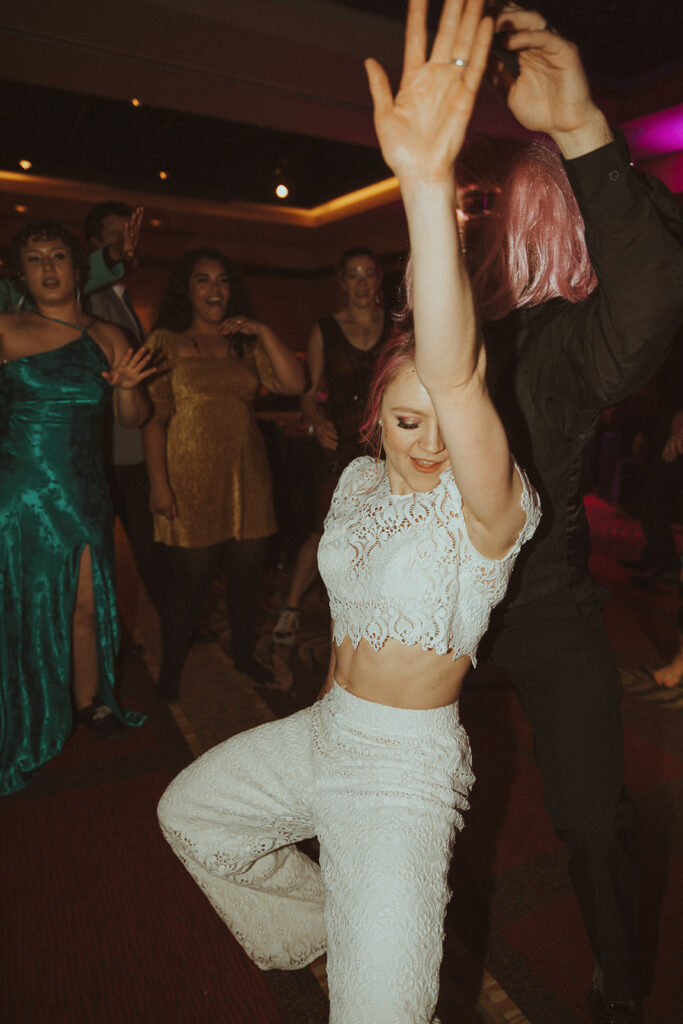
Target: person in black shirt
x,y
582,288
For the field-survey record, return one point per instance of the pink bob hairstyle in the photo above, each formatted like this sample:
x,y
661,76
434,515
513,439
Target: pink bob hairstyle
x,y
534,245
530,247
398,350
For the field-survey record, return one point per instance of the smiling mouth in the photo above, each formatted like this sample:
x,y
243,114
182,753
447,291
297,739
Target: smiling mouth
x,y
424,466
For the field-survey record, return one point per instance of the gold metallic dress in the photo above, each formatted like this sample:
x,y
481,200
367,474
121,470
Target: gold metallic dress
x,y
215,454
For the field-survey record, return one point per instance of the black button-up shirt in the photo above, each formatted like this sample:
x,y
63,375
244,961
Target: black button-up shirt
x,y
555,366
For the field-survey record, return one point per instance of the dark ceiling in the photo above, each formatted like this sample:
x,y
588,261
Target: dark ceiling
x,y
80,137
87,138
618,39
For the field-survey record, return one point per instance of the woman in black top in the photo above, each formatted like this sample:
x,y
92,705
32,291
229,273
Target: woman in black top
x,y
342,352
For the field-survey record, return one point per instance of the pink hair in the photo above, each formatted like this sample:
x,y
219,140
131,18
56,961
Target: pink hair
x,y
534,247
398,350
531,247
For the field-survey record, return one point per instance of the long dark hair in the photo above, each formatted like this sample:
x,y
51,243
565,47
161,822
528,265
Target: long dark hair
x,y
46,231
175,313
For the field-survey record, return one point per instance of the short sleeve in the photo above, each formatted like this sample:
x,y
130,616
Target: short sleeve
x,y
360,476
160,388
264,368
490,576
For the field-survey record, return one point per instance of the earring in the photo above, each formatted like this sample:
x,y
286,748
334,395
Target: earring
x,y
20,303
78,296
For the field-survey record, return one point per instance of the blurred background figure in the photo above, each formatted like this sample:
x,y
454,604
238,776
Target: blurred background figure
x,y
60,368
210,485
342,352
661,479
672,454
109,224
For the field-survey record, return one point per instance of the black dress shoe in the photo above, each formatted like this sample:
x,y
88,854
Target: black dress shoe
x,y
604,1012
101,720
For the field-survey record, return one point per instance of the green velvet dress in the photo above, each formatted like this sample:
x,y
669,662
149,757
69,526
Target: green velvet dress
x,y
54,502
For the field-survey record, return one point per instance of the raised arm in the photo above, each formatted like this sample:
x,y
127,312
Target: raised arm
x,y
551,94
289,374
421,132
616,340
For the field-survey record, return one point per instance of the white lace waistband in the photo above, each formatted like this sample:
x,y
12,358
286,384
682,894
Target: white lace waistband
x,y
429,722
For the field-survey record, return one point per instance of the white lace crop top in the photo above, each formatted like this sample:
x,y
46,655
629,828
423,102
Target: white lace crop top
x,y
403,566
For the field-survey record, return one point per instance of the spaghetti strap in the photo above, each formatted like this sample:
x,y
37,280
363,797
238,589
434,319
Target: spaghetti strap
x,y
67,323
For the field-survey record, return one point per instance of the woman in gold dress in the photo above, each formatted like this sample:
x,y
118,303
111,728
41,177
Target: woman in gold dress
x,y
210,487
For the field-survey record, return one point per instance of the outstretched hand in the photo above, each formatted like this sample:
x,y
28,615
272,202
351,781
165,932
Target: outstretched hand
x,y
124,247
422,129
131,370
551,94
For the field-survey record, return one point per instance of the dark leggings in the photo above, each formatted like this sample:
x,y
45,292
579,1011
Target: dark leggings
x,y
189,573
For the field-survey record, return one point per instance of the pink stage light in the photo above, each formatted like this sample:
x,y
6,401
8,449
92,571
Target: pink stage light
x,y
656,135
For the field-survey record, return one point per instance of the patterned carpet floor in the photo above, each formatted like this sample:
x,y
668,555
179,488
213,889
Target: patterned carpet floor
x,y
100,923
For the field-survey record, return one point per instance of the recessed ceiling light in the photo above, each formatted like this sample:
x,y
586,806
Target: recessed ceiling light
x,y
282,191
20,208
163,175
135,102
25,165
155,222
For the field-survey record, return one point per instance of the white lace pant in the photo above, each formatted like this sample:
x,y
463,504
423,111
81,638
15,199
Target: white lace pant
x,y
382,789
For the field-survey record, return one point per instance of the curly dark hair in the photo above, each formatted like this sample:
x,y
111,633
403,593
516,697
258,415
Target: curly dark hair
x,y
46,231
175,313
95,218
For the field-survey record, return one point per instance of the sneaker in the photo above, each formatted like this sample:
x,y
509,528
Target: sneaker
x,y
102,721
287,625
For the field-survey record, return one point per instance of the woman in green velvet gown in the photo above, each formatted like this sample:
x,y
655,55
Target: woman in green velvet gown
x,y
58,626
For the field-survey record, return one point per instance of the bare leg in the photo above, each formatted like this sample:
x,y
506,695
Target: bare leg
x,y
305,571
84,639
91,712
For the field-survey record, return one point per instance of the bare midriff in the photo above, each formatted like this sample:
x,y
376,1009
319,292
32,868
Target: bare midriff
x,y
398,675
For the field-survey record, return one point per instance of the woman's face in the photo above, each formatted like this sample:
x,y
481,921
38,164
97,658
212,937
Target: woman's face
x,y
209,291
48,270
414,448
360,281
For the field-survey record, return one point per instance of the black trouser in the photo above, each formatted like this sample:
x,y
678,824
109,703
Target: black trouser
x,y
129,486
189,573
556,653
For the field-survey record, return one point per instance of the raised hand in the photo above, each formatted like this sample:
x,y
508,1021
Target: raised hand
x,y
551,94
131,233
241,325
327,436
124,248
131,370
422,129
